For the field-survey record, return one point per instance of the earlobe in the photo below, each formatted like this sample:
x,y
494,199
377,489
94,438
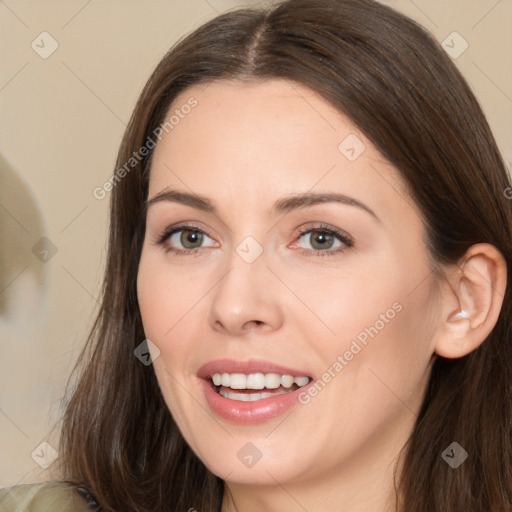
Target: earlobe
x,y
476,288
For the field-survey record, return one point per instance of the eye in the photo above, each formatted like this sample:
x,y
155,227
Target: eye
x,y
318,240
185,239
323,241
188,238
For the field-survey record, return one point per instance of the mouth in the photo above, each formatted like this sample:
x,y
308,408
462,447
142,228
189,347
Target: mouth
x,y
250,391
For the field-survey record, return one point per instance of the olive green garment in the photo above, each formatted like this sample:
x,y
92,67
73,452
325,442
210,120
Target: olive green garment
x,y
42,497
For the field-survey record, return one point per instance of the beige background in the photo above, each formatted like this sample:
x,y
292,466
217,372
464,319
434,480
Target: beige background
x,y
62,119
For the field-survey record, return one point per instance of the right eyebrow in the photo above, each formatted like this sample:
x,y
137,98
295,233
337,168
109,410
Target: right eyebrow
x,y
186,198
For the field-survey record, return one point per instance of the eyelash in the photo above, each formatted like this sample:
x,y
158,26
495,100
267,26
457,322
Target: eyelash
x,y
167,233
343,237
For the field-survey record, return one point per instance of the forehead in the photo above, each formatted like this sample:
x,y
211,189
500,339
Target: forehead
x,y
256,139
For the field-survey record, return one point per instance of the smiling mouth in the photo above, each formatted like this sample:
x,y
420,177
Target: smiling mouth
x,y
255,386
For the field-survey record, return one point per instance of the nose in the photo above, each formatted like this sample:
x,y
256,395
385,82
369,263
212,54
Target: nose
x,y
246,299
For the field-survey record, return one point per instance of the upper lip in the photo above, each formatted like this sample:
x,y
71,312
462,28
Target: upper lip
x,y
246,367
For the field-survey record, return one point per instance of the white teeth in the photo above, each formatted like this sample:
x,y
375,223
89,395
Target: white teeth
x,y
301,381
287,381
272,380
257,380
238,381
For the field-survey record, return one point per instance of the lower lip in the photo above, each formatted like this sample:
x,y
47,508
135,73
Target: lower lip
x,y
249,412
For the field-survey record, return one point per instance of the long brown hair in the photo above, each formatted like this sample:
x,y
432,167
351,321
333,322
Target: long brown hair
x,y
398,86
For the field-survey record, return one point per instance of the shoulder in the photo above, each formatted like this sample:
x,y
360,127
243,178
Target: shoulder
x,y
42,497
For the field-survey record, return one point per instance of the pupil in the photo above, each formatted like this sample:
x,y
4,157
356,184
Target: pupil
x,y
322,240
191,239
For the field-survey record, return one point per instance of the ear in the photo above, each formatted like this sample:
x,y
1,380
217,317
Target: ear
x,y
471,303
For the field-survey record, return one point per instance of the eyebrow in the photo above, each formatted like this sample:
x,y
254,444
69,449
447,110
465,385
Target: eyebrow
x,y
299,201
282,206
188,199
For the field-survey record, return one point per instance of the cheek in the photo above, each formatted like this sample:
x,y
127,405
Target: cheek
x,y
171,303
167,299
164,300
376,366
375,331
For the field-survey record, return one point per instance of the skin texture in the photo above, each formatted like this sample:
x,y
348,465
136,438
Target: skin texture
x,y
245,146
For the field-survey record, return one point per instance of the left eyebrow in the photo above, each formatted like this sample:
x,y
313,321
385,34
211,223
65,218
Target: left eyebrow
x,y
299,201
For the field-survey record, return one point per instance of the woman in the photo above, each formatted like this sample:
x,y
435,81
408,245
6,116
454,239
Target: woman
x,y
309,241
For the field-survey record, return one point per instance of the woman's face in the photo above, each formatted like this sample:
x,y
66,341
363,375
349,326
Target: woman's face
x,y
285,282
